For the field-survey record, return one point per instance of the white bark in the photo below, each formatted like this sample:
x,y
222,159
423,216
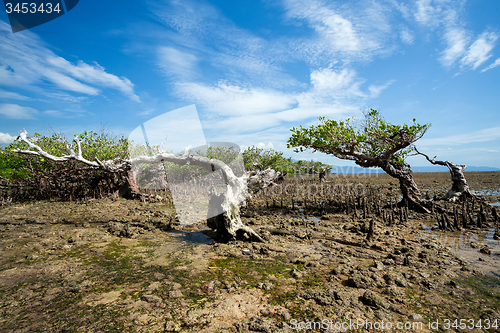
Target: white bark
x,y
459,186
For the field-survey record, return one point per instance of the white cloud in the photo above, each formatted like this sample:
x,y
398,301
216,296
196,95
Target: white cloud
x,y
263,145
406,35
426,13
336,29
480,50
206,36
456,39
176,62
94,75
53,113
351,31
12,95
333,92
449,17
146,112
244,105
65,97
433,13
376,90
226,99
309,108
335,81
493,65
6,139
68,83
485,135
15,111
27,63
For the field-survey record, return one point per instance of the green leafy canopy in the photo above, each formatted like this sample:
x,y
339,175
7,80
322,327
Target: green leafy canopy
x,y
368,142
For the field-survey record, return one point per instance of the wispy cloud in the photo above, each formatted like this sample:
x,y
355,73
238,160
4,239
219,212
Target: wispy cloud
x,y
94,74
493,65
457,40
14,111
376,90
12,95
462,48
338,83
239,100
207,36
62,96
356,31
227,99
329,24
146,112
406,35
174,62
485,135
27,63
480,50
53,113
427,13
332,93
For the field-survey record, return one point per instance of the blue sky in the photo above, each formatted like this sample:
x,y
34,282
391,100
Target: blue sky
x,y
255,69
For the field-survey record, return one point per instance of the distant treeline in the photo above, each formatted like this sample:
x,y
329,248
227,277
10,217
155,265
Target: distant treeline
x,y
104,146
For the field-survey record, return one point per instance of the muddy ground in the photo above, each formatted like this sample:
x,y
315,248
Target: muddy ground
x,y
116,265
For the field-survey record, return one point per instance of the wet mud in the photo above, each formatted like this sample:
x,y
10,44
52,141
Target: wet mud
x,y
116,265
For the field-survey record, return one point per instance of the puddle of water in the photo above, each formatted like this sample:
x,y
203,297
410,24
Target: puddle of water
x,y
486,192
300,209
429,228
312,219
192,237
459,242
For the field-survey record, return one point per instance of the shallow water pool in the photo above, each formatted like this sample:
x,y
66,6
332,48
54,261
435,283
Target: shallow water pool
x,y
460,243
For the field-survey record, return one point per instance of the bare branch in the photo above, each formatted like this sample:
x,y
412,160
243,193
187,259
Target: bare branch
x,y
257,165
79,145
433,161
107,165
39,152
459,186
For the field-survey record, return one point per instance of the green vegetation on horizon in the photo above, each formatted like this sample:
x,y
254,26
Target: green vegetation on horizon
x,y
107,147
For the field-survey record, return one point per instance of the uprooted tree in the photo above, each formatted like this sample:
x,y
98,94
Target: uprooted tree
x,y
369,142
228,223
34,177
459,187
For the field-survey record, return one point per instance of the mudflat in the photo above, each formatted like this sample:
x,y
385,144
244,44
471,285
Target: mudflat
x,y
116,265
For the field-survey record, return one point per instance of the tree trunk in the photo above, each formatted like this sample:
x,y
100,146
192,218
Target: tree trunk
x,y
409,189
224,208
459,187
130,189
227,225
